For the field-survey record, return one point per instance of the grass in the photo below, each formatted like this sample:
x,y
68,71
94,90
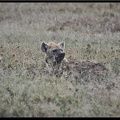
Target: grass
x,y
90,31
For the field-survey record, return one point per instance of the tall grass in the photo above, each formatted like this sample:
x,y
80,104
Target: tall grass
x,y
90,31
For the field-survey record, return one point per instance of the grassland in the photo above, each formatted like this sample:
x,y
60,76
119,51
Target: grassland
x,y
91,32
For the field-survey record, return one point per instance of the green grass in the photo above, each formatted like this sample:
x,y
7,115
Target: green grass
x,y
90,31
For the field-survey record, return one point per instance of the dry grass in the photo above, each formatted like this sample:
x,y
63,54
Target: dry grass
x,y
91,32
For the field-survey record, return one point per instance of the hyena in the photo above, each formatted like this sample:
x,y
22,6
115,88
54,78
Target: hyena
x,y
54,55
80,71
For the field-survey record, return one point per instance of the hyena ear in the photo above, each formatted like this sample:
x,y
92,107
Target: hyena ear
x,y
44,47
62,45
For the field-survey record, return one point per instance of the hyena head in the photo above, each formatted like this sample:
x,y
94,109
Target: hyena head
x,y
54,53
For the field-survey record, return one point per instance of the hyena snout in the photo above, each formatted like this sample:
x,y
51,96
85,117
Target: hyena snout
x,y
60,57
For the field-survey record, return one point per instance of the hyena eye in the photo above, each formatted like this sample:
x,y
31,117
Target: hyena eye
x,y
61,50
55,50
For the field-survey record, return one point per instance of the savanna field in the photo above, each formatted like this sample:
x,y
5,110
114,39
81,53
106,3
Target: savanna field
x,y
91,32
